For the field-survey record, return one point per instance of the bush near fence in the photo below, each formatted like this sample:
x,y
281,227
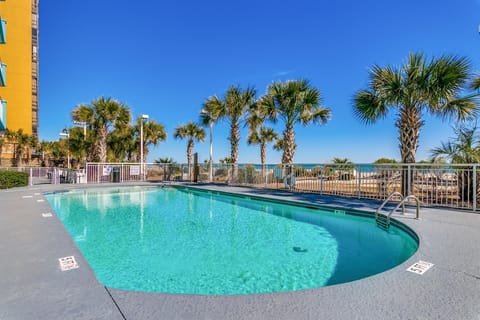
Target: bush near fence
x,y
11,179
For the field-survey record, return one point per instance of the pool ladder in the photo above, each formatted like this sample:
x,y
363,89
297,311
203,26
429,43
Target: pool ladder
x,y
383,220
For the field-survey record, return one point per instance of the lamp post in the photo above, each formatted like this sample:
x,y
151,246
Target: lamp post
x,y
142,171
210,123
65,133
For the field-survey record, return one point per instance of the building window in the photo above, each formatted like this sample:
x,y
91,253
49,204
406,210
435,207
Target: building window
x,y
3,74
3,114
3,30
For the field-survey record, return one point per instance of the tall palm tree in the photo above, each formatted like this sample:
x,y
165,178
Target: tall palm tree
x,y
101,116
208,118
419,86
258,133
294,101
192,132
262,137
153,134
232,109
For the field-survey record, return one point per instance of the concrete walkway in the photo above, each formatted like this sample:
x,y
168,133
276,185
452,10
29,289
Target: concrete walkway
x,y
32,286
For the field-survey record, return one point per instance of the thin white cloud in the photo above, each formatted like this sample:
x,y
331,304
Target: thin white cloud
x,y
283,73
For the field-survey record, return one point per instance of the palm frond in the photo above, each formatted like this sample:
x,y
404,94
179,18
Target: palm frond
x,y
476,83
368,108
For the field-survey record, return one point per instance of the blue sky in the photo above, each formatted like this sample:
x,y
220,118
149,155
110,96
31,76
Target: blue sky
x,y
164,58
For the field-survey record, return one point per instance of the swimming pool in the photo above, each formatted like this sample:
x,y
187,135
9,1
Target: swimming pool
x,y
179,240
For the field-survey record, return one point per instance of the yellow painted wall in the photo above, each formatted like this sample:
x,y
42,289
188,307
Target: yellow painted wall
x,y
16,53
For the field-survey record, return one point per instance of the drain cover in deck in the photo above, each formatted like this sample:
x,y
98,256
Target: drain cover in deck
x,y
420,267
68,263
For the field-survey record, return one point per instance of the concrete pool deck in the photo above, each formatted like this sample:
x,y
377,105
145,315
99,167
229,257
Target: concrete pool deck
x,y
32,286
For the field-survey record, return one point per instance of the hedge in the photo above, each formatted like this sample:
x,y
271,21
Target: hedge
x,y
11,179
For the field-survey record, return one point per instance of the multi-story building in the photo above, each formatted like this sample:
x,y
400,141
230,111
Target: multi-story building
x,y
19,66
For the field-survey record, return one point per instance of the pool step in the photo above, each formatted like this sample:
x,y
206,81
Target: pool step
x,y
383,221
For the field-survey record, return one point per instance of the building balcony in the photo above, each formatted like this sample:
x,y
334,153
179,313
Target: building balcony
x,y
3,74
3,114
3,30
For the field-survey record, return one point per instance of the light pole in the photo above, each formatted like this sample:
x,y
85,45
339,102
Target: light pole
x,y
142,171
65,133
210,123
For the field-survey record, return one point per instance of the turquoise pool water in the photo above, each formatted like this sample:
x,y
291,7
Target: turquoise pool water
x,y
194,242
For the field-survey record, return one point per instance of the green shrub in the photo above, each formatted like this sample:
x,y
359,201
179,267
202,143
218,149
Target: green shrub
x,y
11,179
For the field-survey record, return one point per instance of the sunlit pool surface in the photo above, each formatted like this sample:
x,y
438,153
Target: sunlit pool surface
x,y
179,240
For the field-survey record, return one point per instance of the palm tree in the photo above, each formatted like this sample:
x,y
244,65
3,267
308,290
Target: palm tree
x,y
45,149
122,144
208,117
192,132
258,133
344,167
2,143
101,116
21,144
465,148
232,109
417,87
295,101
262,137
169,167
153,134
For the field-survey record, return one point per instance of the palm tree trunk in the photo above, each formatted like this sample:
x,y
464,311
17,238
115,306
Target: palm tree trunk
x,y
189,158
409,125
289,147
145,152
101,151
263,156
234,141
19,155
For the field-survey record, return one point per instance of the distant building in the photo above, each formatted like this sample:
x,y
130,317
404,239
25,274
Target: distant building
x,y
18,68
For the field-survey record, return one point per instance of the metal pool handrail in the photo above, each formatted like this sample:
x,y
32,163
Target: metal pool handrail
x,y
402,203
393,194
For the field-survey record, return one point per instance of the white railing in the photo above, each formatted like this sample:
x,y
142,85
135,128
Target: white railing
x,y
455,186
49,175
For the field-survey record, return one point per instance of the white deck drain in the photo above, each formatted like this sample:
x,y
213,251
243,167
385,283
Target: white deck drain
x,y
47,215
420,267
68,263
40,200
26,197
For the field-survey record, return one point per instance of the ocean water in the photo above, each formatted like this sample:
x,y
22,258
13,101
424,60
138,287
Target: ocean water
x,y
193,242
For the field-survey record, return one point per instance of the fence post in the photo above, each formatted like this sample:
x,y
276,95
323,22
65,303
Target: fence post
x,y
409,185
474,187
31,177
359,174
